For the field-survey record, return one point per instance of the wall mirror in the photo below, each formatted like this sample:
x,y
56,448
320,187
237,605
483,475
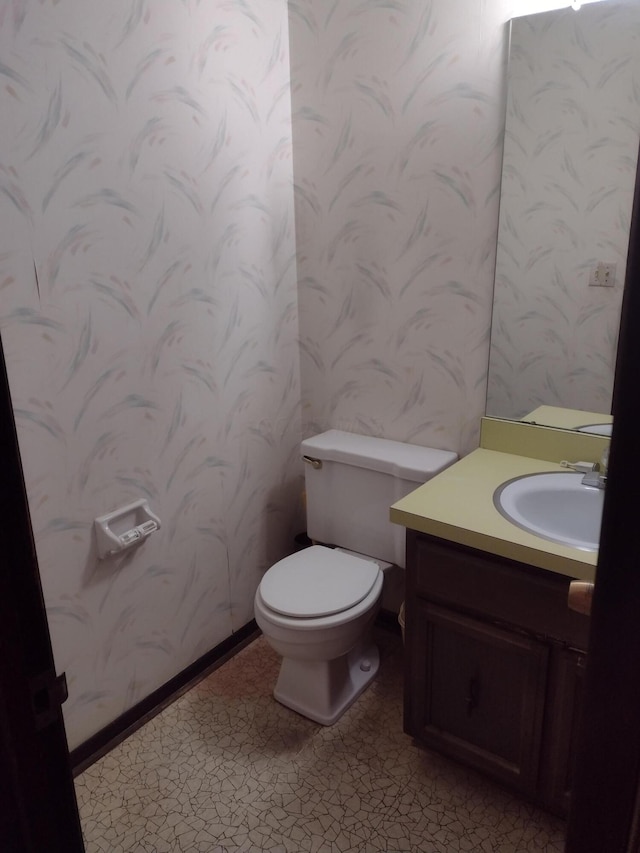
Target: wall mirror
x,y
570,158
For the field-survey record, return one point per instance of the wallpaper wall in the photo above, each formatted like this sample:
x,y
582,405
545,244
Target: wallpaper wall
x,y
149,317
398,110
571,147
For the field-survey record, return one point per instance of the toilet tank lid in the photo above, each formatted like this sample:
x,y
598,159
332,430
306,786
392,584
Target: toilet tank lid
x,y
406,461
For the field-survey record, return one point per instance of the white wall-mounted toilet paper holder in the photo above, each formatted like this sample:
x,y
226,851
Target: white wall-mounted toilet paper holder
x,y
110,542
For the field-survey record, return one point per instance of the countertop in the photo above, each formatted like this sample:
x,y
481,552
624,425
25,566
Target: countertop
x,y
457,505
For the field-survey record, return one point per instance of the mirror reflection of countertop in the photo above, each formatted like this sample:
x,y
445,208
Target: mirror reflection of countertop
x,y
555,416
457,506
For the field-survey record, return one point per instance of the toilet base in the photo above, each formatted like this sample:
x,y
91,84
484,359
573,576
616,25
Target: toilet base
x,y
323,690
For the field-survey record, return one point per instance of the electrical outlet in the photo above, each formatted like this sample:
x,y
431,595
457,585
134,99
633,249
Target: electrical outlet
x,y
602,275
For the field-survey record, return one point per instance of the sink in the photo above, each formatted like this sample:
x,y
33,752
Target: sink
x,y
555,506
598,429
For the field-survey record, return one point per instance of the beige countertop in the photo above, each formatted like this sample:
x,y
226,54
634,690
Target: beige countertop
x,y
457,505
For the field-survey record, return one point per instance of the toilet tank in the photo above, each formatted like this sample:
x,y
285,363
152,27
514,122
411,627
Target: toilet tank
x,y
352,480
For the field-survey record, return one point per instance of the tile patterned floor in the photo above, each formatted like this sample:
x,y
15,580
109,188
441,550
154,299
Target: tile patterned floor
x,y
225,769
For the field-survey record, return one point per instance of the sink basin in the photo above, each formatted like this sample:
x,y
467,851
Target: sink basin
x,y
555,506
598,429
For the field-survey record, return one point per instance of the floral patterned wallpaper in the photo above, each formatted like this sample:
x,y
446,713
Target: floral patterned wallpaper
x,y
157,322
571,148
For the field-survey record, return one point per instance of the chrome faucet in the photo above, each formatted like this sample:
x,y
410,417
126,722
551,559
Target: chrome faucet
x,y
598,478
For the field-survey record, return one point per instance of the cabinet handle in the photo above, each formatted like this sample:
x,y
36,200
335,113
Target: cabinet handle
x,y
472,698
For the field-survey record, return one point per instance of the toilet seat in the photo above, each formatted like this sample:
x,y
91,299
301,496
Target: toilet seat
x,y
317,582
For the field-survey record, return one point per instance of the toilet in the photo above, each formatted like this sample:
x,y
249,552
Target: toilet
x,y
317,606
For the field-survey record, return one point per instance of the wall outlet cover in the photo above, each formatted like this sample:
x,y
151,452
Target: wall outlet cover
x,y
602,275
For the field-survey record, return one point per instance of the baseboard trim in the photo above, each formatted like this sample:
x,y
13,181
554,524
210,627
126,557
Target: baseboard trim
x,y
97,745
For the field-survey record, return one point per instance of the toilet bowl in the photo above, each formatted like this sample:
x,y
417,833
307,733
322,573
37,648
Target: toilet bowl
x,y
316,609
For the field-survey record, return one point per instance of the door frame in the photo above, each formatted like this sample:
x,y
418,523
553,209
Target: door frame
x,y
605,800
38,809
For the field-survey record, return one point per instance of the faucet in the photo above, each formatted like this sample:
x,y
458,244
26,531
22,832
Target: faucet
x,y
598,478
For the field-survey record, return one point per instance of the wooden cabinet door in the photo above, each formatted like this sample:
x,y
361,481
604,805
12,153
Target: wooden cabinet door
x,y
476,692
564,703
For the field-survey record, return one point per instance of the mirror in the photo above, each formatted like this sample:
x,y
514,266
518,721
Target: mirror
x,y
570,157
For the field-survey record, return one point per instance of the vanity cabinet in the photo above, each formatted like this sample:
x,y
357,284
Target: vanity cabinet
x,y
494,665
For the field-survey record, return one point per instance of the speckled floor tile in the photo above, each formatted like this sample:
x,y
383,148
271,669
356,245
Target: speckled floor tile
x,y
226,769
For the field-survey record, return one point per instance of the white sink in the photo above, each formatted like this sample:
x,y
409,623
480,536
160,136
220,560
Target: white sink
x,y
555,506
598,429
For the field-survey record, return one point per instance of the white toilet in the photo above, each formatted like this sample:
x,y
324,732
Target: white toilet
x,y
317,606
